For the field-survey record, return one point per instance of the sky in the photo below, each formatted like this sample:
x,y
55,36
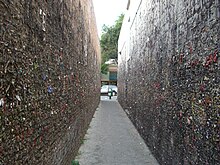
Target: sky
x,y
108,11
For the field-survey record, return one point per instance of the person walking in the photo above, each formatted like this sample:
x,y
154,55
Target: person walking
x,y
110,93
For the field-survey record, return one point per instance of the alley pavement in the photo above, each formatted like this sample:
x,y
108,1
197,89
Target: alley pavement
x,y
112,139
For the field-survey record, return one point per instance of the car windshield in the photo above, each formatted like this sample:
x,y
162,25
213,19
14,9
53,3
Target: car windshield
x,y
109,86
105,86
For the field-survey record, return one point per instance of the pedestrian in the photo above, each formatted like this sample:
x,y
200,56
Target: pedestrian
x,y
110,93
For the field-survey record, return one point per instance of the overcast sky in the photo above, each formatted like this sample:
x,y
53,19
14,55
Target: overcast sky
x,y
108,11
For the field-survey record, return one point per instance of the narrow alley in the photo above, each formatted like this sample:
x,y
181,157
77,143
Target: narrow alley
x,y
112,139
161,58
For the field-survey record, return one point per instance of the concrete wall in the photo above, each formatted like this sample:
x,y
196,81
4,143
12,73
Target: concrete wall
x,y
49,79
169,76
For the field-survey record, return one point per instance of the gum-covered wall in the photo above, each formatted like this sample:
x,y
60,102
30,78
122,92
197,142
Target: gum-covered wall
x,y
169,78
49,79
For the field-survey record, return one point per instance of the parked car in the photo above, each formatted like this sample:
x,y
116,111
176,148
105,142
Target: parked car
x,y
105,89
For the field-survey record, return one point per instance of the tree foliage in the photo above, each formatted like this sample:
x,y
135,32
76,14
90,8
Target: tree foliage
x,y
104,68
109,40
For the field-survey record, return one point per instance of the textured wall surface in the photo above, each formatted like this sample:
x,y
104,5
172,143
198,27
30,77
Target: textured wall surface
x,y
49,79
169,78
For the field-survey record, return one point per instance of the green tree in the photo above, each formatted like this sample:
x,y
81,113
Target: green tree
x,y
109,40
104,68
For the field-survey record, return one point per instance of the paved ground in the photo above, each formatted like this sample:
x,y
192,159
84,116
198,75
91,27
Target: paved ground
x,y
113,140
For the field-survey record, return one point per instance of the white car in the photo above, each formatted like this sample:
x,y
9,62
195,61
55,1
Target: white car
x,y
105,89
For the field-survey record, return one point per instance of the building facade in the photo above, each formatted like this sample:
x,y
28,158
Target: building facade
x,y
111,76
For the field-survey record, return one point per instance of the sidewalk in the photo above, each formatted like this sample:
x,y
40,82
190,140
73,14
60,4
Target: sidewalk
x,y
112,139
